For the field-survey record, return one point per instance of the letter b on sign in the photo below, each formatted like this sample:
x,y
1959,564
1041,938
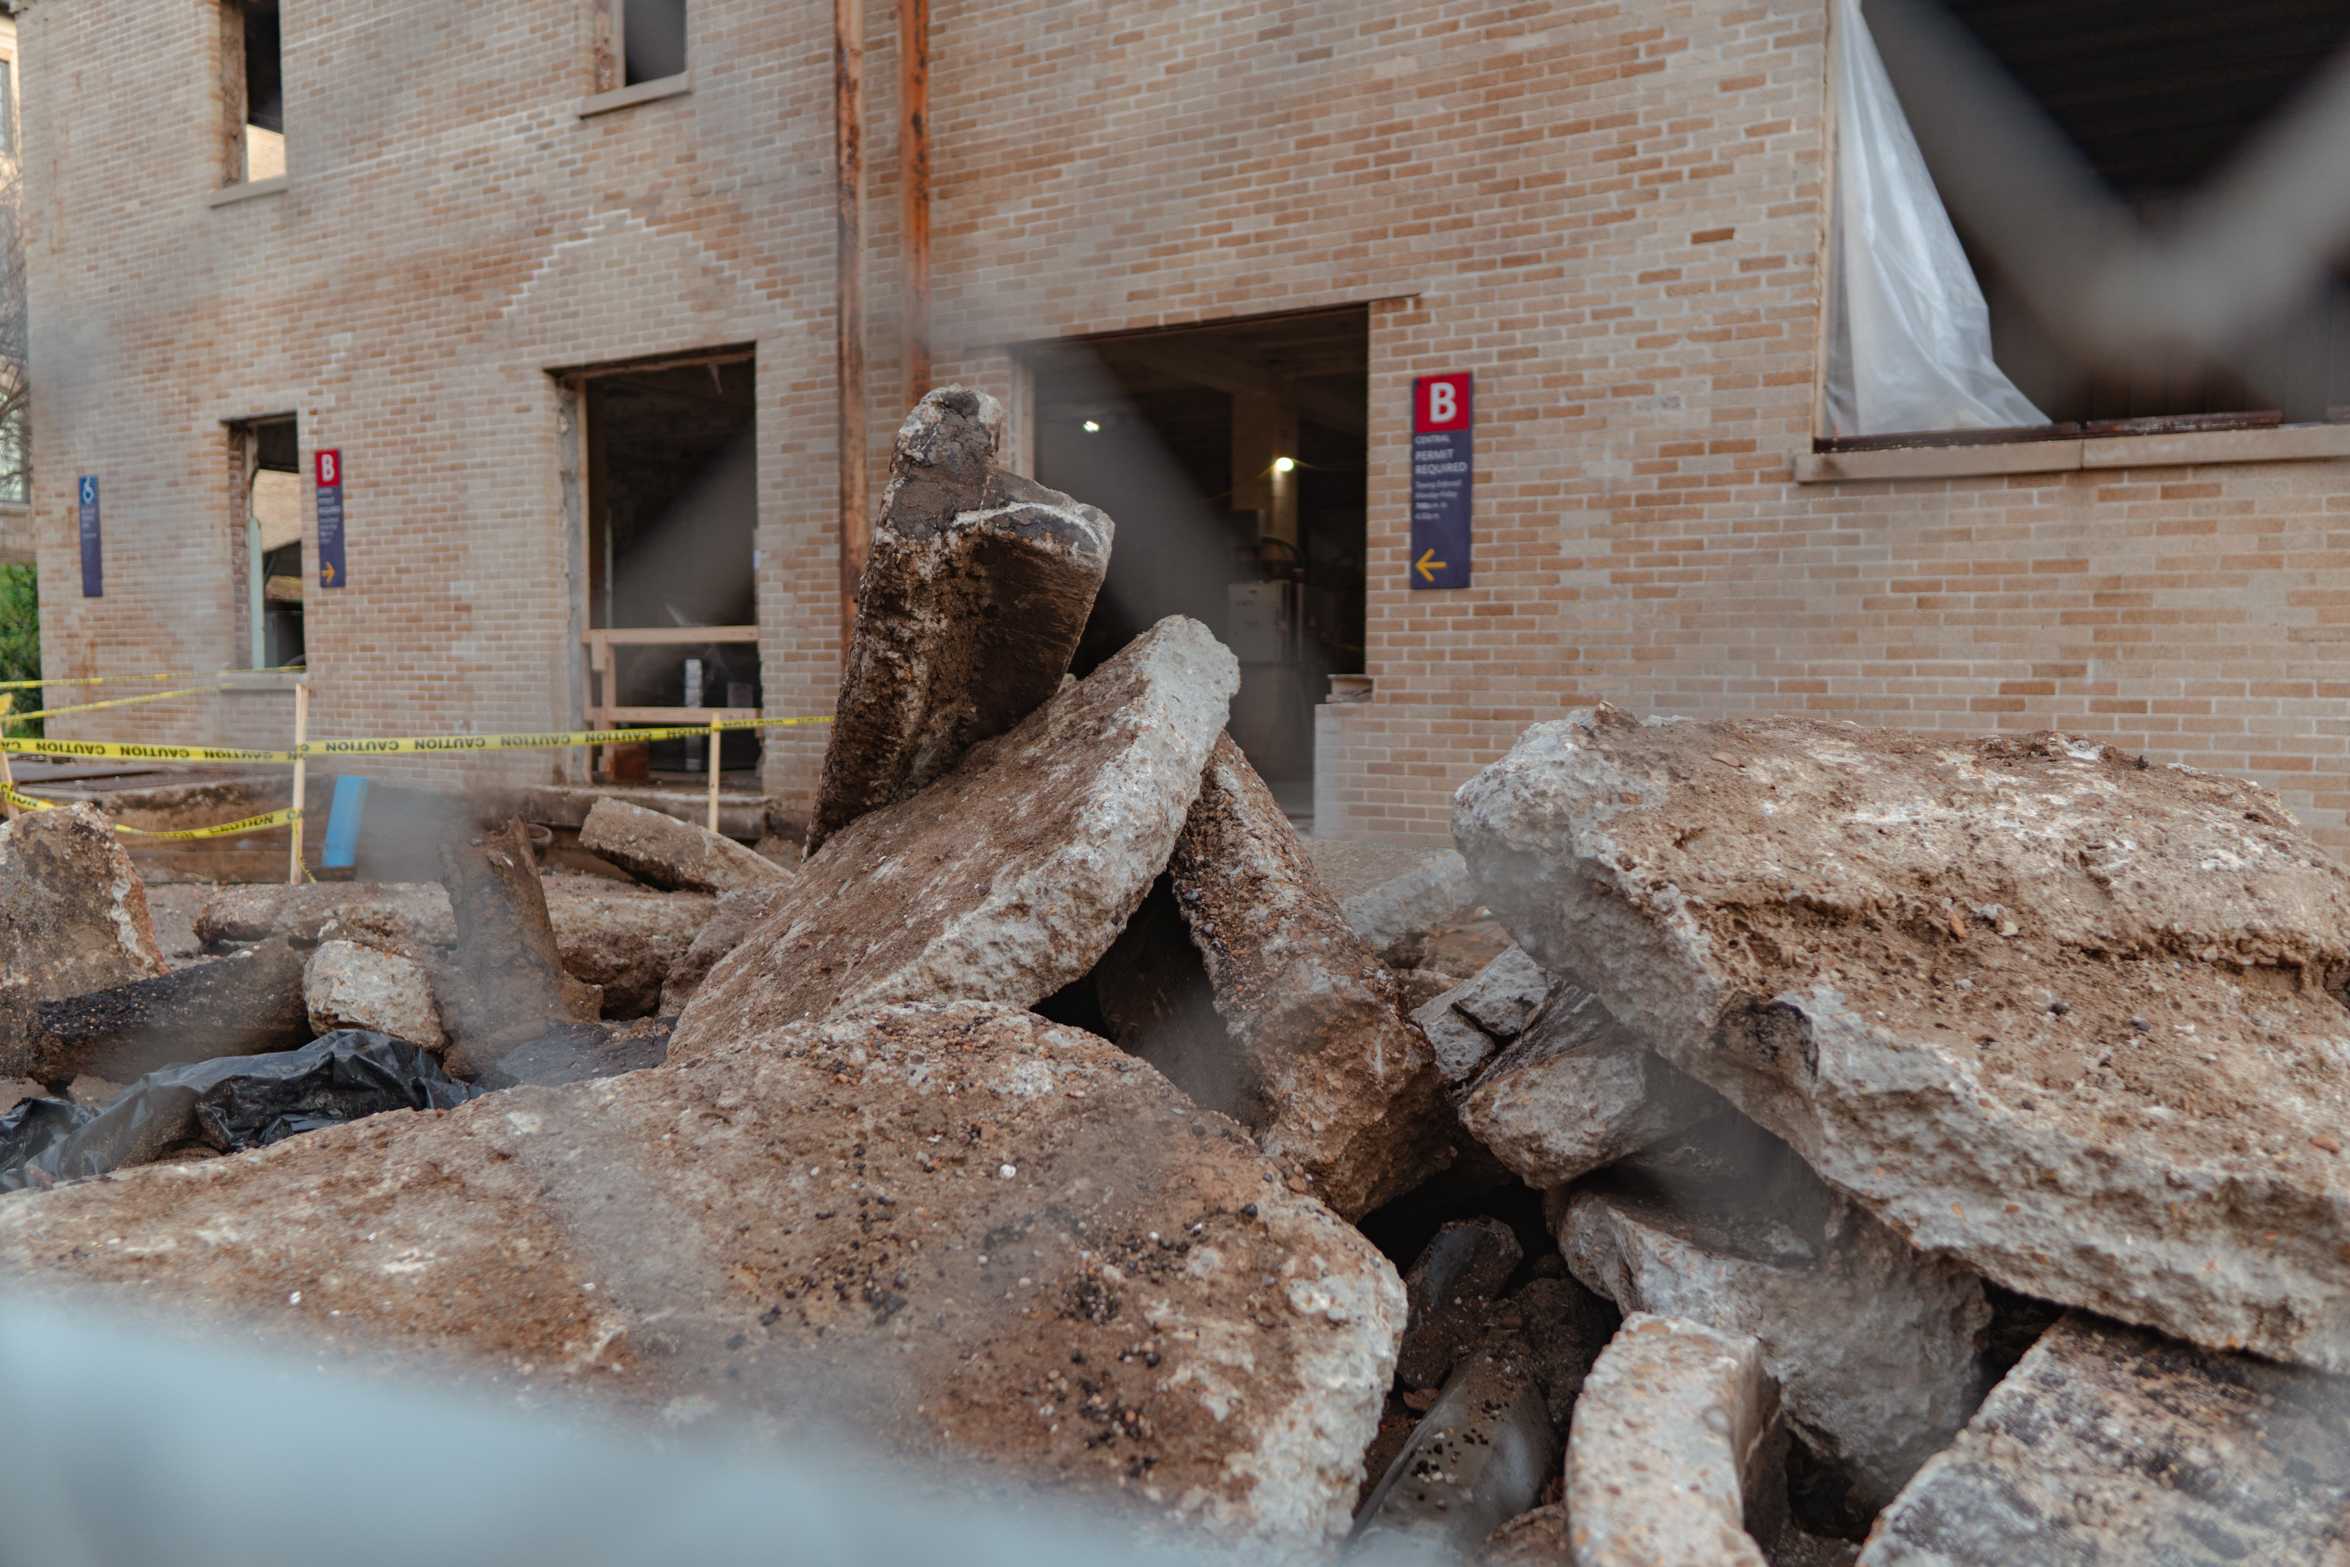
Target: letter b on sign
x,y
1443,404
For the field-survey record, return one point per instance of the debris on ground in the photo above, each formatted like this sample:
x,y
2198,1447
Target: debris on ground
x,y
1748,1100
678,856
972,601
226,1105
957,1227
2036,1004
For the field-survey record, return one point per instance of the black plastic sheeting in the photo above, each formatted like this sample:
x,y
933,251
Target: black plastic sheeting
x,y
231,1103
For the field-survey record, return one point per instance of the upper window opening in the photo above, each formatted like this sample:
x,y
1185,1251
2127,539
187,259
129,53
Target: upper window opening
x,y
253,93
652,40
2156,101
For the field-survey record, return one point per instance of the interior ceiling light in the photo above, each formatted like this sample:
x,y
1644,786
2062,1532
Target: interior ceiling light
x,y
1093,427
1284,464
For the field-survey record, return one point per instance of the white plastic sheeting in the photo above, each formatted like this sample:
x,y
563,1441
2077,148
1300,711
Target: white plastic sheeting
x,y
1909,345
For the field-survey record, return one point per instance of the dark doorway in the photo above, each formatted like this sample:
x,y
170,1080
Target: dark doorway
x,y
1233,459
673,508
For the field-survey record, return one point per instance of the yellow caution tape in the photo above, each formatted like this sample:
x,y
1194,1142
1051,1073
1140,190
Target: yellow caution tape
x,y
125,680
261,823
393,746
119,701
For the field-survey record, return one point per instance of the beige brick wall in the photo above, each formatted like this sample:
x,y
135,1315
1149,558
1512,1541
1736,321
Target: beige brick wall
x,y
1609,213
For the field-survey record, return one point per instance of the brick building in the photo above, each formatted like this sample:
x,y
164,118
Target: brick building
x,y
509,272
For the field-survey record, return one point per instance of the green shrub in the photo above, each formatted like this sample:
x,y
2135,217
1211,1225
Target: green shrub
x,y
20,636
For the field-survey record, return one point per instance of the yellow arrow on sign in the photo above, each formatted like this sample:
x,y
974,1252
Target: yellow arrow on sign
x,y
1428,565
326,572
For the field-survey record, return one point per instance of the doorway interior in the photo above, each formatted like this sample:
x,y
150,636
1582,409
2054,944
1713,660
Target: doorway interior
x,y
1234,459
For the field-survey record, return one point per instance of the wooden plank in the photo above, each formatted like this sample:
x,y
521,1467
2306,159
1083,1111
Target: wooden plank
x,y
914,196
848,119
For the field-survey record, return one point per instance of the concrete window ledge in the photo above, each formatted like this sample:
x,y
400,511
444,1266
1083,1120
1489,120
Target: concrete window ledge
x,y
643,92
259,682
248,191
2285,443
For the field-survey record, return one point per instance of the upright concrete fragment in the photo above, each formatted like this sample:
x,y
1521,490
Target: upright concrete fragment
x,y
2066,1015
73,914
2111,1447
1006,879
658,848
974,596
1470,1021
955,1230
1346,1086
1876,1349
509,982
1674,1447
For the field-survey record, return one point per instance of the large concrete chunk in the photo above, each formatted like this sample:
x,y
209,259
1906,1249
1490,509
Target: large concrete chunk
x,y
1575,1092
1876,1349
1346,1086
666,852
73,914
345,985
954,1229
247,1003
2036,1003
507,983
1675,1443
1006,879
970,606
1479,1459
2110,1447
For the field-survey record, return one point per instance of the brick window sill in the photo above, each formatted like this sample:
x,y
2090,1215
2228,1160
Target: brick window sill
x,y
2285,443
643,92
248,190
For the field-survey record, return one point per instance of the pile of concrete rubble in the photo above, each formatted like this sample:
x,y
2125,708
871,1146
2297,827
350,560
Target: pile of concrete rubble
x,y
1868,1147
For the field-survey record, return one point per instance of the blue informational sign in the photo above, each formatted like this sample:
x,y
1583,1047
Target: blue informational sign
x,y
333,571
1443,464
93,550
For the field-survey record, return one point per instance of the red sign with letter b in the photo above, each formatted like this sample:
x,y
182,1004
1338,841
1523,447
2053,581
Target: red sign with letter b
x,y
1443,404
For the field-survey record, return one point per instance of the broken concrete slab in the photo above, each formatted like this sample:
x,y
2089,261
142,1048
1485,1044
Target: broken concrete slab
x,y
345,985
1450,1290
970,606
2036,1003
245,1004
2111,1445
731,920
1347,1089
1008,878
1479,1458
956,1229
1575,1092
73,914
1876,1349
1470,1021
1674,1451
679,856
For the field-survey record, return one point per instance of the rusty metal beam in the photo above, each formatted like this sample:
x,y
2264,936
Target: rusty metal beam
x,y
914,195
848,142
